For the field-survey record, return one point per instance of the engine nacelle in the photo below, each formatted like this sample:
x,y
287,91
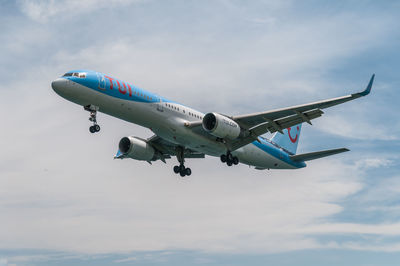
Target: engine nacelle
x,y
221,126
136,148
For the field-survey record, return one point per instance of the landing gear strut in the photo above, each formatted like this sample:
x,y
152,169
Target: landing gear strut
x,y
229,159
93,113
181,169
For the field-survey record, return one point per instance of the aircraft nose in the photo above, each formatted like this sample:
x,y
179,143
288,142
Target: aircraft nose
x,y
58,84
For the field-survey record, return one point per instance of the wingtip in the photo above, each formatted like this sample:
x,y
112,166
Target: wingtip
x,y
368,89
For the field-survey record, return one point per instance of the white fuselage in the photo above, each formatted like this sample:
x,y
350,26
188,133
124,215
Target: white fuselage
x,y
166,119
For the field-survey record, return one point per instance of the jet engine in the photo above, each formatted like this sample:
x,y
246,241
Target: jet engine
x,y
136,148
221,126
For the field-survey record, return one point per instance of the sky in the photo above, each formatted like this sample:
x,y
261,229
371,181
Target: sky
x,y
65,201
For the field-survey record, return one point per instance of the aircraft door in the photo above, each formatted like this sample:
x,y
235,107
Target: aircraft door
x,y
160,106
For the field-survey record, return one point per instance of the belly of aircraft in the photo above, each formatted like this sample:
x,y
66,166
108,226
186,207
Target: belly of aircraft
x,y
170,128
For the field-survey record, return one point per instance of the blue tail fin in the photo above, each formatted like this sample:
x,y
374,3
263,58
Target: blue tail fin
x,y
289,139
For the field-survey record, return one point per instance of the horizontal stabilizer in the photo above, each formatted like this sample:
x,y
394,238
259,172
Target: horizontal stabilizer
x,y
317,154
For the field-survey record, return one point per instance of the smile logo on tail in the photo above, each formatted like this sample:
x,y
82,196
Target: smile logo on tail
x,y
293,140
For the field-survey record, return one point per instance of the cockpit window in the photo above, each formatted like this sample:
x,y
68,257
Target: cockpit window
x,y
76,74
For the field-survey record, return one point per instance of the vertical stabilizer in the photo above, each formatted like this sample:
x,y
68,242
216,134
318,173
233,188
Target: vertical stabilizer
x,y
289,139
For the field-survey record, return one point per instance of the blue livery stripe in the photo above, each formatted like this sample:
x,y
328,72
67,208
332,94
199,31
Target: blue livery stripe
x,y
277,153
114,87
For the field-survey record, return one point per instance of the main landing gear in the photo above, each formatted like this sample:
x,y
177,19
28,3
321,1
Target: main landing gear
x,y
229,159
93,113
181,169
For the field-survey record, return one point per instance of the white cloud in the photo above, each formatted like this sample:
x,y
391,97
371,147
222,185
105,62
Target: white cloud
x,y
379,247
43,10
61,189
104,209
392,229
350,126
373,163
126,259
3,262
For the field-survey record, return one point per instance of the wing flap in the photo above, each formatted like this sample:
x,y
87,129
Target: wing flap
x,y
273,126
317,154
285,122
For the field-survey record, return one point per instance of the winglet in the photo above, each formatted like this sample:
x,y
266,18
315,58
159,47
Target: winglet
x,y
368,89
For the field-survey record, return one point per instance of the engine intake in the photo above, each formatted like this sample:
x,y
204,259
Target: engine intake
x,y
221,126
136,148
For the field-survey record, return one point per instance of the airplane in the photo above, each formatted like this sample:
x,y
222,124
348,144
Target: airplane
x,y
184,132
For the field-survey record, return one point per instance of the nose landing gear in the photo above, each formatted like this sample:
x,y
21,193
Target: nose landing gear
x,y
94,128
229,159
92,118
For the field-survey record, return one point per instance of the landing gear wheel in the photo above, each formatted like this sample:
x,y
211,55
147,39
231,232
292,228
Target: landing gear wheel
x,y
92,129
229,159
97,128
223,158
182,172
188,171
176,169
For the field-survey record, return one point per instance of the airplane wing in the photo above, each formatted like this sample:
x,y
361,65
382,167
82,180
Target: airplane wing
x,y
257,124
165,149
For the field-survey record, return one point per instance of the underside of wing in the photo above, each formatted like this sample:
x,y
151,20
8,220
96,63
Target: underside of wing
x,y
152,149
165,149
